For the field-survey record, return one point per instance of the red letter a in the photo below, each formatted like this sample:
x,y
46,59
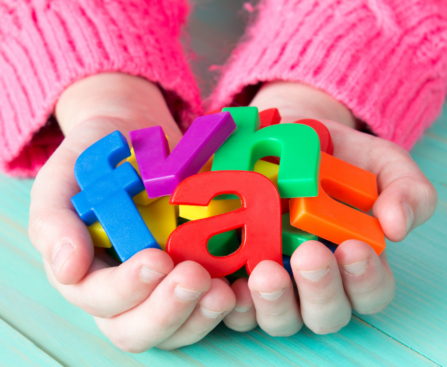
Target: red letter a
x,y
259,217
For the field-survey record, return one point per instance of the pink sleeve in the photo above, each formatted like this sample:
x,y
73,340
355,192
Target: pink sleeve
x,y
46,45
384,59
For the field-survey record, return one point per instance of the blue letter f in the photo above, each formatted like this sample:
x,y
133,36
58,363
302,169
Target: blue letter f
x,y
107,195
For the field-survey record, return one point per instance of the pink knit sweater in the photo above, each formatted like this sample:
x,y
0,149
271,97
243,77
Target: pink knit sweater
x,y
385,59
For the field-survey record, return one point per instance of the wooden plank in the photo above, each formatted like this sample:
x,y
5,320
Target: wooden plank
x,y
18,351
355,345
65,340
417,317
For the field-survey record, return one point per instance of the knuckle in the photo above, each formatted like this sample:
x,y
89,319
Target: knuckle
x,y
123,341
240,327
165,321
367,310
276,315
431,194
85,304
376,299
52,280
324,298
325,329
166,347
285,331
280,333
36,224
39,229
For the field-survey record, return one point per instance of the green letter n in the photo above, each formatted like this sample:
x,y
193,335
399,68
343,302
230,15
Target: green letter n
x,y
297,145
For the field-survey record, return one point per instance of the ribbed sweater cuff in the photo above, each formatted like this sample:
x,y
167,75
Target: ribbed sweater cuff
x,y
386,60
47,45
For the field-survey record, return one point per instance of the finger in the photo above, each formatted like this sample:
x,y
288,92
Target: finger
x,y
271,288
325,308
55,228
243,317
162,313
407,198
108,291
405,203
367,278
210,311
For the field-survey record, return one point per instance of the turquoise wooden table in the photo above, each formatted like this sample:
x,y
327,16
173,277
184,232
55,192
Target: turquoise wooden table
x,y
39,328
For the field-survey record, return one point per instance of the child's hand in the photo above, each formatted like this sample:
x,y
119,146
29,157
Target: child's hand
x,y
329,285
144,302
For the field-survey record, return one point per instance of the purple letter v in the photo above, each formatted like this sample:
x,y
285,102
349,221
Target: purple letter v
x,y
160,171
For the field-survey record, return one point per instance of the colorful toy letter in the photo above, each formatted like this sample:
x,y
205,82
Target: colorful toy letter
x,y
326,144
107,194
258,218
293,237
327,218
297,145
269,117
162,172
99,236
142,197
161,219
216,207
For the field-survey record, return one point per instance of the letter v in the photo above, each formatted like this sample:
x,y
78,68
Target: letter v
x,y
160,171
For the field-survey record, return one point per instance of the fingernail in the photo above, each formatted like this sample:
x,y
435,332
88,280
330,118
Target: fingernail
x,y
409,215
61,255
356,268
186,294
273,295
314,275
243,309
211,314
149,276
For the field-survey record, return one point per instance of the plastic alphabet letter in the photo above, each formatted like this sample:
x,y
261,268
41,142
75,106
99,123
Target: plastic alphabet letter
x,y
259,219
287,266
326,144
141,198
334,221
297,145
216,207
99,236
269,117
161,219
293,237
107,194
162,172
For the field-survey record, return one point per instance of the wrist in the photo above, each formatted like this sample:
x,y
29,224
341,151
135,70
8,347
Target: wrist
x,y
135,101
296,100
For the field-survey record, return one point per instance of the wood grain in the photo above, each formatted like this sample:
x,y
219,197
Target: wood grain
x,y
418,315
16,350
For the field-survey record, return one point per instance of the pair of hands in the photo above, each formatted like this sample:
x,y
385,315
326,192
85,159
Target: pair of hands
x,y
146,301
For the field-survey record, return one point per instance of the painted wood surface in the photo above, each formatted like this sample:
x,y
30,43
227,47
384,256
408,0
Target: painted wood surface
x,y
20,351
38,327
